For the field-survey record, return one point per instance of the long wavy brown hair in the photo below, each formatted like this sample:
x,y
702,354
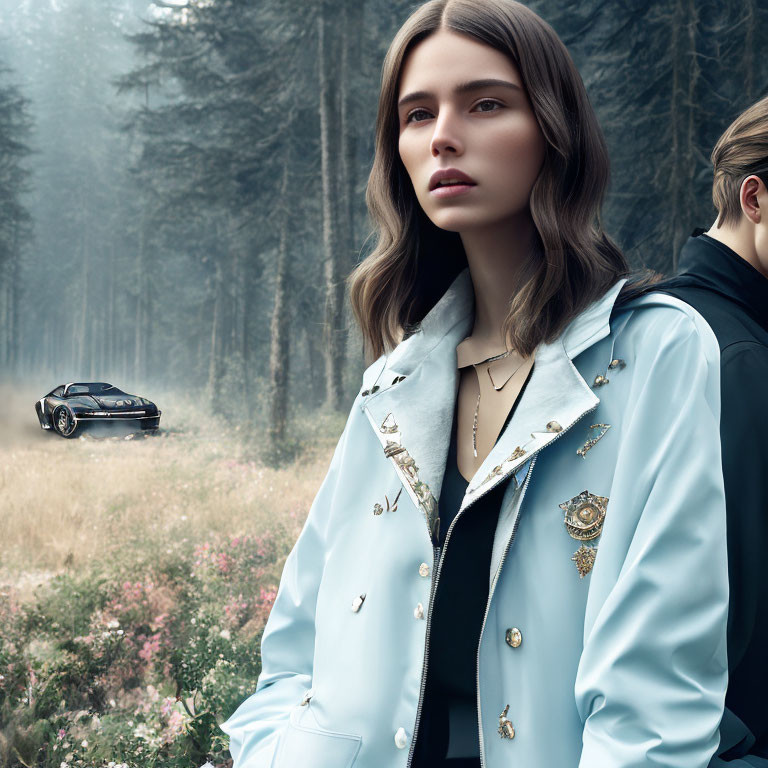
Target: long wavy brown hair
x,y
413,262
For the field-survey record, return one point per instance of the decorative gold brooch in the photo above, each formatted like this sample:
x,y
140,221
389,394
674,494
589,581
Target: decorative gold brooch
x,y
584,515
584,519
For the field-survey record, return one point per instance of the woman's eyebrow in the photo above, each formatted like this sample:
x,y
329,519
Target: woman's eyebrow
x,y
472,85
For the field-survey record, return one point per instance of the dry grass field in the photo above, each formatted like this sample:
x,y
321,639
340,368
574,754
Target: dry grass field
x,y
66,502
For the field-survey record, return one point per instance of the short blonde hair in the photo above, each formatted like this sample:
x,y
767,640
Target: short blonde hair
x,y
740,152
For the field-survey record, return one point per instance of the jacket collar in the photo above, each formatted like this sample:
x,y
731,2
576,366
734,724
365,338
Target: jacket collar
x,y
416,413
710,264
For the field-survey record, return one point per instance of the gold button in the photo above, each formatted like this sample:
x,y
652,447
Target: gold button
x,y
514,637
424,570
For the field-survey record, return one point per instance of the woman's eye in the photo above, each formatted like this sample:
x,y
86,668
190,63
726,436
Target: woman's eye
x,y
415,112
492,103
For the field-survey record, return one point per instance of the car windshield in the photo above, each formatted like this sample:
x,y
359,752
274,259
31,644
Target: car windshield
x,y
93,389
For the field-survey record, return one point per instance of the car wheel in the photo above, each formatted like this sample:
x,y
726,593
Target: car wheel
x,y
64,423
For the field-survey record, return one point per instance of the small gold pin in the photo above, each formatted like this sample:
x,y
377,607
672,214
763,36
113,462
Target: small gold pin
x,y
617,363
357,602
600,381
506,729
584,557
517,453
596,432
389,425
377,508
392,449
393,508
554,426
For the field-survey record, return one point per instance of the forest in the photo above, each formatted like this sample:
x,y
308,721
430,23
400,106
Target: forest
x,y
183,183
182,197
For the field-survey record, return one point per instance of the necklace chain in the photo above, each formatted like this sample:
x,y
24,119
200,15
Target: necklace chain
x,y
497,389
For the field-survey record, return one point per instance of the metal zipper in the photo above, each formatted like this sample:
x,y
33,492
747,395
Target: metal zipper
x,y
534,456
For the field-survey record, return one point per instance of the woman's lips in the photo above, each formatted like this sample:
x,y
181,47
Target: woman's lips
x,y
452,190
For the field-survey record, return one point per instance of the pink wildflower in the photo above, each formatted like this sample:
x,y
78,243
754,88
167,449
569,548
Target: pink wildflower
x,y
150,647
267,596
176,722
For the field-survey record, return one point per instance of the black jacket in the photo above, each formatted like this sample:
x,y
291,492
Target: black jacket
x,y
733,298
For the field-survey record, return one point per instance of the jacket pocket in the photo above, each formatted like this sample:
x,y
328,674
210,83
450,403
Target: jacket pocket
x,y
311,747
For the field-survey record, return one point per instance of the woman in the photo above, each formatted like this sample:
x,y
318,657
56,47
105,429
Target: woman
x,y
518,554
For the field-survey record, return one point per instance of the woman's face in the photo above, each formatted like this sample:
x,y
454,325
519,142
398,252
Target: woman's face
x,y
486,131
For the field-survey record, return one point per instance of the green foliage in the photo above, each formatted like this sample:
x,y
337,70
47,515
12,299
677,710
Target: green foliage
x,y
137,660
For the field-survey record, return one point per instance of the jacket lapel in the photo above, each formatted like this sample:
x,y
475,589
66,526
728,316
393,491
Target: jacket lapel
x,y
412,417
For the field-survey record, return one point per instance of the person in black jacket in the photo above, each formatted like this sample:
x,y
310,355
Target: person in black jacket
x,y
723,273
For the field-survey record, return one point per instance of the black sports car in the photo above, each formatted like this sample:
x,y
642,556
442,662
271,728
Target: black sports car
x,y
67,408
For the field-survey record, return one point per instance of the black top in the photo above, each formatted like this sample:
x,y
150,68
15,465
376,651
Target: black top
x,y
448,728
732,296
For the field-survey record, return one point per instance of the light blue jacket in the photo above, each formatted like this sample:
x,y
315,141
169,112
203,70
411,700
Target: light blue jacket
x,y
624,667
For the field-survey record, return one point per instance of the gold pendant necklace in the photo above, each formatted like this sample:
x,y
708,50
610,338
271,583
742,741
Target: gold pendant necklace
x,y
487,362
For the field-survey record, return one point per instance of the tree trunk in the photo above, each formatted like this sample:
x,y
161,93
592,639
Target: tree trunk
x,y
138,357
279,356
214,359
329,154
111,359
84,321
749,50
685,75
347,192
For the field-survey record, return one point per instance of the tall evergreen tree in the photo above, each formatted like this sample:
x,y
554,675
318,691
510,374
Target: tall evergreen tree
x,y
15,221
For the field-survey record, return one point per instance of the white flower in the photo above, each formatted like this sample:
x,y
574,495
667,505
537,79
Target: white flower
x,y
64,764
226,635
114,624
193,620
84,743
112,703
119,631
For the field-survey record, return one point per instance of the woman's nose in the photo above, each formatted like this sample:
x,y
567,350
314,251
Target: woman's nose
x,y
445,138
